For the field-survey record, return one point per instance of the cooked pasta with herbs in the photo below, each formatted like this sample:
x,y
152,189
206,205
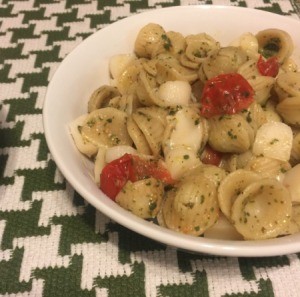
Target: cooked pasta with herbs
x,y
202,138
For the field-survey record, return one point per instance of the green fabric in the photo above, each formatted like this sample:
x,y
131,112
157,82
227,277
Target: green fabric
x,y
52,243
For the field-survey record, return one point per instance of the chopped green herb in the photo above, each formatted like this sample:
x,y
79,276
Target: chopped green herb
x,y
231,135
167,41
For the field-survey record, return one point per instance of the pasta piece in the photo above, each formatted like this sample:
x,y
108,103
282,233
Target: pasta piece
x,y
249,69
223,229
83,145
294,225
151,127
180,160
289,109
233,162
232,186
289,65
156,112
173,93
255,116
295,153
243,159
268,167
106,127
191,207
230,134
127,80
118,64
275,42
273,140
169,68
213,173
143,198
263,210
186,62
291,228
127,103
151,40
199,46
177,42
150,66
287,85
296,215
138,137
101,97
271,113
225,60
262,86
147,90
291,182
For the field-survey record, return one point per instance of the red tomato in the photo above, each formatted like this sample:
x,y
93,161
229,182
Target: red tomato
x,y
269,67
211,157
153,168
115,174
225,94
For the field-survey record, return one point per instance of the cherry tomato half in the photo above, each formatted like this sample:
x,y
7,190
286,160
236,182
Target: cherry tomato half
x,y
115,175
269,67
225,94
132,168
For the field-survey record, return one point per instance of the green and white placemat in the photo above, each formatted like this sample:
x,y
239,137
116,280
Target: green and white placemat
x,y
52,243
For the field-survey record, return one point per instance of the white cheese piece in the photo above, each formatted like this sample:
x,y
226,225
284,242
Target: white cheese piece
x,y
173,93
118,63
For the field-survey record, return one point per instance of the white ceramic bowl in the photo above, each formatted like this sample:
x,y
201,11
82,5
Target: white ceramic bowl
x,y
86,68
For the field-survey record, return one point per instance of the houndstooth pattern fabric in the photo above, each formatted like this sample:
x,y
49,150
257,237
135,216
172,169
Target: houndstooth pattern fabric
x,y
52,243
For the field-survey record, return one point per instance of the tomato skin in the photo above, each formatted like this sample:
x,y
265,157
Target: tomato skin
x,y
147,168
132,168
225,94
211,157
115,175
269,67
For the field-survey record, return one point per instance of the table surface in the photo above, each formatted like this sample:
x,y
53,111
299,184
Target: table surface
x,y
52,243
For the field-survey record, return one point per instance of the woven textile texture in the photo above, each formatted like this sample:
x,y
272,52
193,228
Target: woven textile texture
x,y
52,243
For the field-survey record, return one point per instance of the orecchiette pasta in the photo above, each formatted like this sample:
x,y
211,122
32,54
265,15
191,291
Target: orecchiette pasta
x,y
230,134
199,46
295,153
289,109
191,207
223,60
143,198
105,127
232,186
151,40
275,41
199,136
263,210
287,85
84,146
